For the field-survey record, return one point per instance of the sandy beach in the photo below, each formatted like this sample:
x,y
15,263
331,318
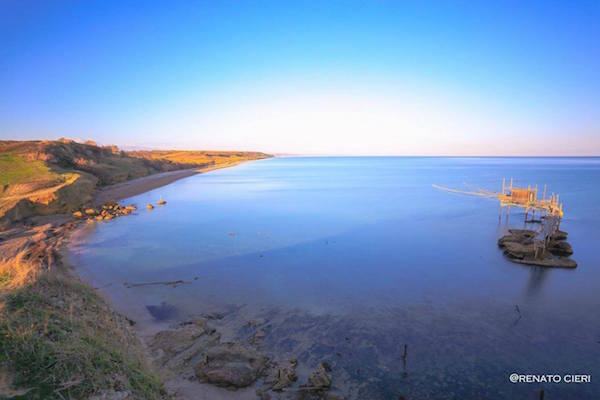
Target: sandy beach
x,y
137,186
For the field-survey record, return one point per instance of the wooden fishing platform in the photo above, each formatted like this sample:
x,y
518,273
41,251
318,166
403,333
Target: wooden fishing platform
x,y
544,247
521,197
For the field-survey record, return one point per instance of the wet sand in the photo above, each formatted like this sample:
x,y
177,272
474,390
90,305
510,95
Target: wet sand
x,y
144,184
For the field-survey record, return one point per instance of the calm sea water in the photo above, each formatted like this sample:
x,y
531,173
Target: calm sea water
x,y
348,259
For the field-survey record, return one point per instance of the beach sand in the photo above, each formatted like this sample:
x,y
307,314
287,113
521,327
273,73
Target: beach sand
x,y
144,184
137,186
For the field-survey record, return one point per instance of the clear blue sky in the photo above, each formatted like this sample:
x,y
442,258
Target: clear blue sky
x,y
376,77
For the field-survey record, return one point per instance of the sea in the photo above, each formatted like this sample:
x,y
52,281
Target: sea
x,y
362,262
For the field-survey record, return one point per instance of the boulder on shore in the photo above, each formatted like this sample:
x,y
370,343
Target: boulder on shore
x,y
230,364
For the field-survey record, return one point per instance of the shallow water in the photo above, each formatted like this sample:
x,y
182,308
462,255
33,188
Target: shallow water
x,y
348,259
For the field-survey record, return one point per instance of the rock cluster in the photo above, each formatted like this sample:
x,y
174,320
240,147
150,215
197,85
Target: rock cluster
x,y
521,246
194,351
104,213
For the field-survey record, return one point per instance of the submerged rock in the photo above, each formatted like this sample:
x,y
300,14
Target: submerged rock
x,y
258,337
230,364
175,341
320,379
280,378
162,311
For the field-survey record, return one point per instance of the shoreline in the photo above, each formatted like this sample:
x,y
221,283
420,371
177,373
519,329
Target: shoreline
x,y
33,262
123,190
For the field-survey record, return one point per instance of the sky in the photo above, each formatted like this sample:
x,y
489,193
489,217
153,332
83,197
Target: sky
x,y
322,77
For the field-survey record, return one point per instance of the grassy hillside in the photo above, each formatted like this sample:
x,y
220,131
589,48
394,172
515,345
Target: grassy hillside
x,y
46,177
28,161
58,338
16,169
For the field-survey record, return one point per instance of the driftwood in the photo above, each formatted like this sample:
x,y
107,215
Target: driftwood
x,y
168,283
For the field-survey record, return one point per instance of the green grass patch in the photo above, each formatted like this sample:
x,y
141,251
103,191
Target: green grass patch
x,y
62,341
14,169
5,278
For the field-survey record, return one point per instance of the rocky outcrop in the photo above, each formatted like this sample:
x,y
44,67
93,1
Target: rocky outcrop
x,y
522,246
194,351
106,212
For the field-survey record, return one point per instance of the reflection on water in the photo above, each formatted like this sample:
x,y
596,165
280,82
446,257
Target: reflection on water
x,y
351,259
537,277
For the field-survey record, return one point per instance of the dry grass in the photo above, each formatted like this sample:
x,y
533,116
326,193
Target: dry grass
x,y
58,338
198,157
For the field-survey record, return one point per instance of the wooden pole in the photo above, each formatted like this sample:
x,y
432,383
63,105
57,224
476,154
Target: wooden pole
x,y
544,193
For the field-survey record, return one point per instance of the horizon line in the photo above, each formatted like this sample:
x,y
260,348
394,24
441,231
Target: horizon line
x,y
130,147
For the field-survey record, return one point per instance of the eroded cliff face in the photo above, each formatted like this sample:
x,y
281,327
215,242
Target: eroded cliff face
x,y
65,197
